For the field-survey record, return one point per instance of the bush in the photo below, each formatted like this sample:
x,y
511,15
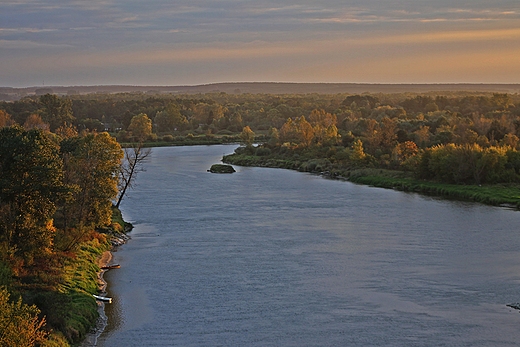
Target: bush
x,y
6,275
167,138
20,323
225,132
152,137
262,151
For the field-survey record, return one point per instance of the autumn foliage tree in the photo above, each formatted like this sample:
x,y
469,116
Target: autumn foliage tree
x,y
141,127
5,119
297,131
20,325
247,136
324,127
35,121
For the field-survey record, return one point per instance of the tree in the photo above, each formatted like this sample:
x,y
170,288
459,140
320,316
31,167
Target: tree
x,y
141,127
55,111
510,140
358,154
298,131
34,121
324,127
422,136
90,124
5,119
386,136
235,122
404,151
67,131
247,136
31,186
131,165
19,323
91,168
170,119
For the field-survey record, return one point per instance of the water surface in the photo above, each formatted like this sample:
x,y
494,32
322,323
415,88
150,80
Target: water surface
x,y
270,257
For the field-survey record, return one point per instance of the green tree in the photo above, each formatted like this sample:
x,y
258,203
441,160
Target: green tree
x,y
31,186
170,119
274,137
55,111
235,122
91,165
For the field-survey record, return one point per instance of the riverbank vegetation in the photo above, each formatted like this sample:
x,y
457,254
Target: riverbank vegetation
x,y
60,160
56,193
466,148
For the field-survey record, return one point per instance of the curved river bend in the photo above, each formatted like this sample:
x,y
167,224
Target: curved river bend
x,y
269,257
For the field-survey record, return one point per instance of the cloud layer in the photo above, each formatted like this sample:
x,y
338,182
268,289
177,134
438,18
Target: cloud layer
x,y
160,42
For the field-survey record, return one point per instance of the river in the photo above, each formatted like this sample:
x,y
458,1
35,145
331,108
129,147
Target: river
x,y
271,257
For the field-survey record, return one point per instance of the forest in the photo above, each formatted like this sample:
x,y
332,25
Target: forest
x,y
451,137
62,171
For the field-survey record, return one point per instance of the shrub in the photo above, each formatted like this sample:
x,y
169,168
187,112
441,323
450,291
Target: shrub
x,y
167,138
262,151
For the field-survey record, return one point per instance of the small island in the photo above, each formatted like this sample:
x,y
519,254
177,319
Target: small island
x,y
221,168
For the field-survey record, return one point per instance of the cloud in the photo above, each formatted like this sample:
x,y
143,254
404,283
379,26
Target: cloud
x,y
25,30
26,45
269,38
371,15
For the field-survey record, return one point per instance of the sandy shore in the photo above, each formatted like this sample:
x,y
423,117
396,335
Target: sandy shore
x,y
103,261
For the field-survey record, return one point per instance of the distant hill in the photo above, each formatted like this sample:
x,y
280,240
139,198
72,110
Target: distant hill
x,y
8,93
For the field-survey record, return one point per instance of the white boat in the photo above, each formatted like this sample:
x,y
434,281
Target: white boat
x,y
103,298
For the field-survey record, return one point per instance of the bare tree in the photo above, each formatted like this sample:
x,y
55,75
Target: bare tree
x,y
131,165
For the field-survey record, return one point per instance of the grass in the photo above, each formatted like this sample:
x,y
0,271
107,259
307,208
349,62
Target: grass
x,y
496,194
70,309
118,224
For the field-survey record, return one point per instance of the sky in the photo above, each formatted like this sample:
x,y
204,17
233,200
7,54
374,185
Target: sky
x,y
181,42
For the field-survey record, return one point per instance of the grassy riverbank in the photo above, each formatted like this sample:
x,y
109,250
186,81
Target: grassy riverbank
x,y
69,308
495,194
62,290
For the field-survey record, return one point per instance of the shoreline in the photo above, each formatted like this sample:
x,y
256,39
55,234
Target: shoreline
x,y
499,194
92,337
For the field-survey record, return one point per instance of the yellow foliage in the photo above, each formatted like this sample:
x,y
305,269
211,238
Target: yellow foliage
x,y
19,323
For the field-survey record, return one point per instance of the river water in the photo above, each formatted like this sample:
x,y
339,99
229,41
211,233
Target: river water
x,y
271,257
